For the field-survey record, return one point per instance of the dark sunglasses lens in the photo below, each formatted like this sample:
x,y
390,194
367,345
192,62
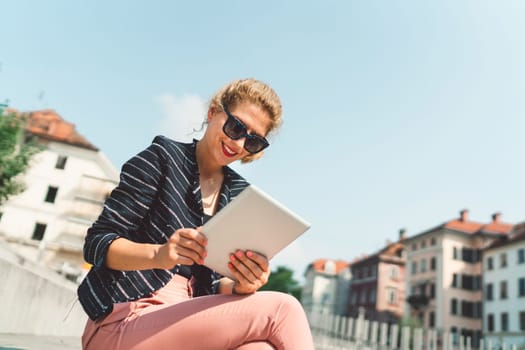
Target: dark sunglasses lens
x,y
234,128
255,144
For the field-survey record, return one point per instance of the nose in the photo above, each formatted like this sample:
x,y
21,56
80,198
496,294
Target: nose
x,y
239,143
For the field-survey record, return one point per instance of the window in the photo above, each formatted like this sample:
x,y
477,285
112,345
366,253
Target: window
x,y
478,309
477,283
454,306
432,291
521,287
471,309
455,281
503,260
353,298
413,247
467,308
522,320
51,194
490,263
422,289
61,162
372,298
471,282
431,319
38,232
504,321
363,297
433,241
470,255
490,322
414,267
393,272
391,294
488,291
455,254
433,263
503,290
423,265
454,335
521,256
423,244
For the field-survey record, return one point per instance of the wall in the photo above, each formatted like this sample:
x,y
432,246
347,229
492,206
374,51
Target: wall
x,y
36,300
513,304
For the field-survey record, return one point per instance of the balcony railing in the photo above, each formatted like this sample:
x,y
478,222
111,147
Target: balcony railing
x,y
418,301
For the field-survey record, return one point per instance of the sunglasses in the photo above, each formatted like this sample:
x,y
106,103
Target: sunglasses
x,y
235,130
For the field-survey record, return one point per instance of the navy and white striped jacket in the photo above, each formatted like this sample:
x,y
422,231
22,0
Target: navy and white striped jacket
x,y
158,192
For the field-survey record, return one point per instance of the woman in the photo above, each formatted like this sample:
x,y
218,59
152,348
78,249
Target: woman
x,y
147,288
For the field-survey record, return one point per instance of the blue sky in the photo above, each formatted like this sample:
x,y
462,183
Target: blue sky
x,y
398,114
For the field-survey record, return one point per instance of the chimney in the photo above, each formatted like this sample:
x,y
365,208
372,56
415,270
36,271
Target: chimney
x,y
463,215
402,234
496,217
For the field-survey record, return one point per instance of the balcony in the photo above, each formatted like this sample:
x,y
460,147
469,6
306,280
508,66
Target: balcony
x,y
418,301
88,198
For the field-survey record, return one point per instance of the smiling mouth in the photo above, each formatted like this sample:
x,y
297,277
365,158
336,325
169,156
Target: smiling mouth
x,y
228,152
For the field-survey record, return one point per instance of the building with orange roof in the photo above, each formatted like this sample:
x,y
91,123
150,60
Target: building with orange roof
x,y
325,290
66,185
378,283
504,290
444,274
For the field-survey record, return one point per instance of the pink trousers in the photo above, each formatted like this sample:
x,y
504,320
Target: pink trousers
x,y
171,319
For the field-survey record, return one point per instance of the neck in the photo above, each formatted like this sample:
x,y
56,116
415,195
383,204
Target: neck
x,y
207,168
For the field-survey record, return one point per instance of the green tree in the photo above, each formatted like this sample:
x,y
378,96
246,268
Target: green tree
x,y
282,280
15,153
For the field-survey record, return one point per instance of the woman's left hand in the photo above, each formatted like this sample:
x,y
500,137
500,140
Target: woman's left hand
x,y
251,270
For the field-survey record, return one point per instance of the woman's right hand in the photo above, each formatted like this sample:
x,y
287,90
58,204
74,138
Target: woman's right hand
x,y
186,246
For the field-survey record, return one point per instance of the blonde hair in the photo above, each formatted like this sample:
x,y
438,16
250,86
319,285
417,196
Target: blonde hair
x,y
252,91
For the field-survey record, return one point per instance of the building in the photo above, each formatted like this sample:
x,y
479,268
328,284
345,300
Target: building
x,y
444,273
66,185
504,290
378,284
326,287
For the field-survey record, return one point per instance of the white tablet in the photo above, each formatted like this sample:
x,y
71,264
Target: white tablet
x,y
252,221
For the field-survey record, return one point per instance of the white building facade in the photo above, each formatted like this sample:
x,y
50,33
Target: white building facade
x,y
326,288
504,291
66,186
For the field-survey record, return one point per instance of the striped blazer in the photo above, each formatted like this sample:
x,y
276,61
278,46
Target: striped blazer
x,y
158,193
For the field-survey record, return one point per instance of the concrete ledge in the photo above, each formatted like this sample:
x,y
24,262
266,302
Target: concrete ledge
x,y
37,300
33,342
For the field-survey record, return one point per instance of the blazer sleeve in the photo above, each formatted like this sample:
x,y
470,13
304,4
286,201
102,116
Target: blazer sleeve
x,y
140,180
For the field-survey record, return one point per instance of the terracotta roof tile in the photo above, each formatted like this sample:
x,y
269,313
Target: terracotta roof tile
x,y
49,125
463,226
390,250
517,234
497,227
319,265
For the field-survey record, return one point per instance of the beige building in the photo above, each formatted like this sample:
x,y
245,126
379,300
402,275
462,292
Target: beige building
x,y
67,184
444,274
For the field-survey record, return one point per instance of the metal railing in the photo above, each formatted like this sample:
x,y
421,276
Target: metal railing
x,y
334,332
